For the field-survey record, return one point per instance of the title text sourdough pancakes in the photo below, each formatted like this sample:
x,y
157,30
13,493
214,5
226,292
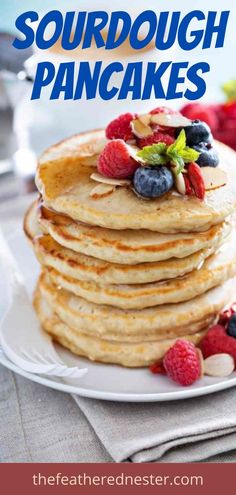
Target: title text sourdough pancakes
x,y
122,276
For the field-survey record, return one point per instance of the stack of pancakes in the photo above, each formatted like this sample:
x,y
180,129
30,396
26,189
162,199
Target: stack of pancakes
x,y
123,277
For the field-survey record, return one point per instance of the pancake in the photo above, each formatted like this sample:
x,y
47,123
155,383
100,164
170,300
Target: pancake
x,y
97,349
128,247
63,178
86,268
159,321
215,271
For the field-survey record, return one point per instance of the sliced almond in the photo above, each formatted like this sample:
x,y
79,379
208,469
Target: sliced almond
x,y
213,178
170,120
145,118
219,365
101,191
180,183
133,152
141,130
109,180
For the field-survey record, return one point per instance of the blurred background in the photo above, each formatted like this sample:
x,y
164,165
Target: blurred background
x,y
27,127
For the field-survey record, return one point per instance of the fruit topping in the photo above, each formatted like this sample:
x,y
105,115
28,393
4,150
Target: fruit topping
x,y
216,341
208,155
231,327
120,127
188,188
109,180
149,140
115,160
183,362
196,180
213,178
152,182
156,137
198,132
170,120
219,365
101,191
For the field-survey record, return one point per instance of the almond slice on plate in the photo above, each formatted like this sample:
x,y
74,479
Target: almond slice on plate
x,y
141,130
213,178
101,191
109,180
170,120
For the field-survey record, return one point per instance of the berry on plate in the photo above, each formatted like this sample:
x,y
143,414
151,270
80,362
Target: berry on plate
x,y
115,160
156,137
216,341
198,132
208,155
120,128
152,182
183,362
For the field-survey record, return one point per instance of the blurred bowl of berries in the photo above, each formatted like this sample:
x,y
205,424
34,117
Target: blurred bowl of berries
x,y
221,117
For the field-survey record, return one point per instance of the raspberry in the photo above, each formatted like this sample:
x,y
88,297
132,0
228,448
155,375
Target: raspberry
x,y
120,127
166,110
199,111
157,137
115,160
196,180
182,362
216,341
157,369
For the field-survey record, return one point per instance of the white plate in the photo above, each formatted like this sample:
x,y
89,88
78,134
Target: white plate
x,y
102,381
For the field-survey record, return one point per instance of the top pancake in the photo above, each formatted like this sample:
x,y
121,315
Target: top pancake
x,y
63,178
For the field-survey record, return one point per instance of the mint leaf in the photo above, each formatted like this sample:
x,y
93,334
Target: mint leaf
x,y
177,160
189,155
177,153
179,144
154,154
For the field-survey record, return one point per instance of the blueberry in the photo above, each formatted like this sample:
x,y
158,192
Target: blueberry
x,y
198,132
231,330
152,182
208,155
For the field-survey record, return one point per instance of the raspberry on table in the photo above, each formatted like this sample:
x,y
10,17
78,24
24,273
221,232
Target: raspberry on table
x,y
156,137
216,341
183,363
115,160
120,128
